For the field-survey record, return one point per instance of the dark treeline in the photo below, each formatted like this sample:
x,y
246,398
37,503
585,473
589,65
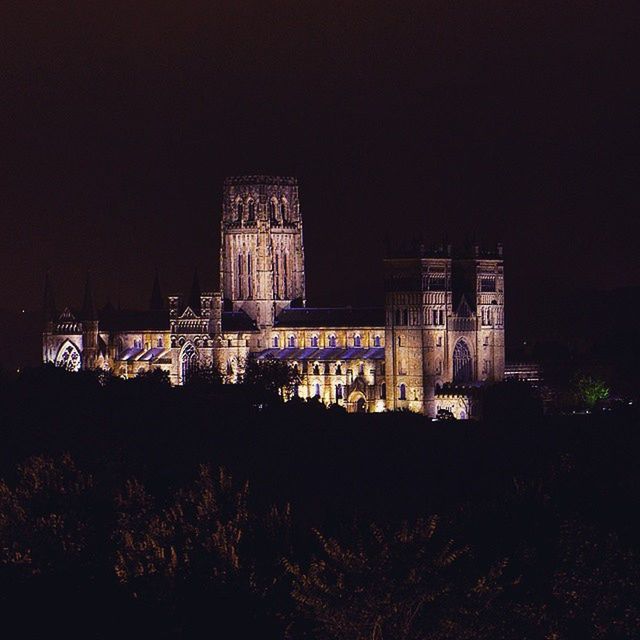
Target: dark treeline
x,y
133,509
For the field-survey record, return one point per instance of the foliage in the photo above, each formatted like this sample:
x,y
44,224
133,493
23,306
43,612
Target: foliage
x,y
271,377
204,376
44,516
118,504
157,377
590,390
409,583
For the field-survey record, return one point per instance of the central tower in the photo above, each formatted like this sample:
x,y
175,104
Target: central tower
x,y
261,252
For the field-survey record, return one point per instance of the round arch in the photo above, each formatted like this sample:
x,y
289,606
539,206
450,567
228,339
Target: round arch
x,y
356,403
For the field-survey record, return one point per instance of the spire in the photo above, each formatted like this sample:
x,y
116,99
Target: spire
x,y
156,303
194,296
49,306
88,308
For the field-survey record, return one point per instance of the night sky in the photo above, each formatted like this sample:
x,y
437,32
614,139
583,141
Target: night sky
x,y
505,121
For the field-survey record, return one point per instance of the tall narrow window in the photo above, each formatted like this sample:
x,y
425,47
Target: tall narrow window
x,y
292,342
314,341
332,341
338,392
357,342
398,316
383,391
240,287
376,341
403,392
251,214
239,210
405,317
283,211
284,276
249,277
317,389
276,342
277,276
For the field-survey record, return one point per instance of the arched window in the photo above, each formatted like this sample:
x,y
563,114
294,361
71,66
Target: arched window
x,y
276,342
383,391
188,361
68,357
160,343
361,369
338,392
376,341
332,341
292,342
357,342
338,369
462,364
239,210
314,341
283,211
316,369
272,211
317,389
403,392
251,211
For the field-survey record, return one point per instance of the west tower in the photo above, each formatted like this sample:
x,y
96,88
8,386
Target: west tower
x,y
444,323
261,253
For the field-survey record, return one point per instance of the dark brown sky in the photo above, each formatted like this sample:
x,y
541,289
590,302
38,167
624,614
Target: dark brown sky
x,y
513,121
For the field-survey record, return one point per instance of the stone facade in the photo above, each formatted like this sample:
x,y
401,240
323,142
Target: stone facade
x,y
439,335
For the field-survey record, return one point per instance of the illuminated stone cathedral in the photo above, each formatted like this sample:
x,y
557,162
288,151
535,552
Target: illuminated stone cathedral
x,y
436,340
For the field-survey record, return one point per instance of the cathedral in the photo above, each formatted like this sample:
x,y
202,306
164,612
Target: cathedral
x,y
436,340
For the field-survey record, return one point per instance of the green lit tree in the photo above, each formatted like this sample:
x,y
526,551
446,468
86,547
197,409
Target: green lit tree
x,y
590,390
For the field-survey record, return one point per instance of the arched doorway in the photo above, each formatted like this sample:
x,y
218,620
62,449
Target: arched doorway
x,y
357,403
462,363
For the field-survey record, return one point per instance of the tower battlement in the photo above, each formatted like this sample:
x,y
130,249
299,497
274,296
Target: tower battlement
x,y
260,179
